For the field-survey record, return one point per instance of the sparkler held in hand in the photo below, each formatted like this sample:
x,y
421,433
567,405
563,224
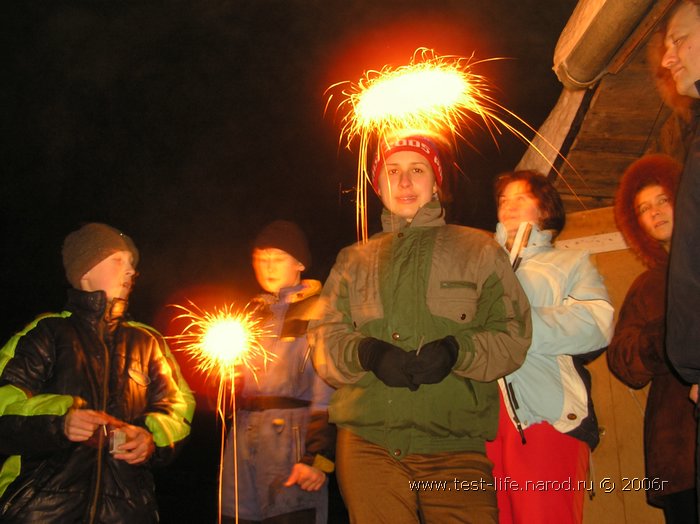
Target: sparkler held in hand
x,y
221,342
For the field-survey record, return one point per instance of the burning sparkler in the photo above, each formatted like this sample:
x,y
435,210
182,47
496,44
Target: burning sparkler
x,y
433,93
221,342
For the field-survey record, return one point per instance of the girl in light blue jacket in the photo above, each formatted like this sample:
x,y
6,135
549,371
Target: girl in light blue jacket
x,y
547,426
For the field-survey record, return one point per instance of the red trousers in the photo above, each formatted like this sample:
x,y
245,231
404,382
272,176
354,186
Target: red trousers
x,y
542,481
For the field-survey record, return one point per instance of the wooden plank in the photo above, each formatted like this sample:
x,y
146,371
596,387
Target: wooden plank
x,y
619,410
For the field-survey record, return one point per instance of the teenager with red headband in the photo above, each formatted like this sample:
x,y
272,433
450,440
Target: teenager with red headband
x,y
417,323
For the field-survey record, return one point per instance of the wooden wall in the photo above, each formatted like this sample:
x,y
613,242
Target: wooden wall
x,y
620,409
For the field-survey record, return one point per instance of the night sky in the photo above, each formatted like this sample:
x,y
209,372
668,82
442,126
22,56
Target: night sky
x,y
190,125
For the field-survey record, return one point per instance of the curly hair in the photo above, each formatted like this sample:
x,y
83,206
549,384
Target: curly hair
x,y
649,170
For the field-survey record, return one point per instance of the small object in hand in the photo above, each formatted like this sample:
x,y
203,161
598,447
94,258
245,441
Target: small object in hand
x,y
116,438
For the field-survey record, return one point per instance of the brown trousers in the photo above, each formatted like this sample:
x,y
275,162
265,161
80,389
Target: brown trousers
x,y
439,488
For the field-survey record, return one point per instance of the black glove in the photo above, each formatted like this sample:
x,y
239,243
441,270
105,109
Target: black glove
x,y
434,361
387,362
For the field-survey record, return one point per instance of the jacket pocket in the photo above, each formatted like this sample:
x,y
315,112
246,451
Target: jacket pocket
x,y
364,312
14,501
455,300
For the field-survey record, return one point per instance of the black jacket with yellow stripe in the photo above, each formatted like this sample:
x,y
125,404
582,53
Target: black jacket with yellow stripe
x,y
88,356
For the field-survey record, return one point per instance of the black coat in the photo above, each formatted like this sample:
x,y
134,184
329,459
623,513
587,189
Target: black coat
x,y
683,307
83,360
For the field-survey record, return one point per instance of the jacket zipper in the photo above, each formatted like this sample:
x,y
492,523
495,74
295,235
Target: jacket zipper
x,y
101,437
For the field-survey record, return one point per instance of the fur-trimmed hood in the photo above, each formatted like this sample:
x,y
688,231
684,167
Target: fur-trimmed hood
x,y
655,169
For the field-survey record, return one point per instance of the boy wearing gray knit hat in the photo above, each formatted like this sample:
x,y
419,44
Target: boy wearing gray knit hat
x,y
95,398
88,246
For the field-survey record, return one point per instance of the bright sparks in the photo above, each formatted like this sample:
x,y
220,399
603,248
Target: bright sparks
x,y
432,94
407,96
221,340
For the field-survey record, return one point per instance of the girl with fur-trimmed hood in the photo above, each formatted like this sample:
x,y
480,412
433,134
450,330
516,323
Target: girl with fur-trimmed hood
x,y
637,354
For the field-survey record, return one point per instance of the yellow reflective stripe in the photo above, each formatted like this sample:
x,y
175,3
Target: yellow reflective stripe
x,y
46,404
9,472
10,395
170,428
8,350
166,429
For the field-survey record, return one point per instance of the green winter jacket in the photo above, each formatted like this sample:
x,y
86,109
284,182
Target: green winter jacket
x,y
414,283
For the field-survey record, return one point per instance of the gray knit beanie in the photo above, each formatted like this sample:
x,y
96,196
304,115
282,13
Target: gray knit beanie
x,y
90,245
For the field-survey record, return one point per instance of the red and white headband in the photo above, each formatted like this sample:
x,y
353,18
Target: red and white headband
x,y
420,144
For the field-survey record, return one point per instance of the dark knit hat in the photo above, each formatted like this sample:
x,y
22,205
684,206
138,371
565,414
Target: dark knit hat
x,y
91,244
287,236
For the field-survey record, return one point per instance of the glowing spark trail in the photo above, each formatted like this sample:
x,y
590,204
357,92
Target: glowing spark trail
x,y
434,94
220,342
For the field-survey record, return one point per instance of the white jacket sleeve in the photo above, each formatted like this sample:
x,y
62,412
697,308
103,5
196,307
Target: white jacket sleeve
x,y
582,322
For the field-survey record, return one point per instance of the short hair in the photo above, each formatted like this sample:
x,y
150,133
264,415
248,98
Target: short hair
x,y
548,200
680,104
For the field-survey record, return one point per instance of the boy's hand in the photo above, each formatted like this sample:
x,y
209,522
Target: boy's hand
x,y
80,424
307,477
138,447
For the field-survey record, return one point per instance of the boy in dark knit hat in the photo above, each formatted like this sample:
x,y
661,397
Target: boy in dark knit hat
x,y
285,444
89,400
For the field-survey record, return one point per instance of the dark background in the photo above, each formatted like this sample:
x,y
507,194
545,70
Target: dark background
x,y
190,125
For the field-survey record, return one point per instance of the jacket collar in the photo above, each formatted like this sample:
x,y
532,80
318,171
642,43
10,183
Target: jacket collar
x,y
302,291
538,238
93,305
292,294
430,215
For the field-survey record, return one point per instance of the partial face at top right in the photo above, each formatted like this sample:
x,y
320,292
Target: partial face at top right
x,y
682,56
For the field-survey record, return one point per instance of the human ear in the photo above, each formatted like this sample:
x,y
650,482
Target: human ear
x,y
85,282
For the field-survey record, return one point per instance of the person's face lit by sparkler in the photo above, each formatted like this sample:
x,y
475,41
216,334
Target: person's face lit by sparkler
x,y
114,275
406,183
682,57
276,269
655,213
517,204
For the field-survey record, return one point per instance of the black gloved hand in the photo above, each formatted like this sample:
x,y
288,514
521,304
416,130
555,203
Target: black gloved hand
x,y
434,361
388,362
